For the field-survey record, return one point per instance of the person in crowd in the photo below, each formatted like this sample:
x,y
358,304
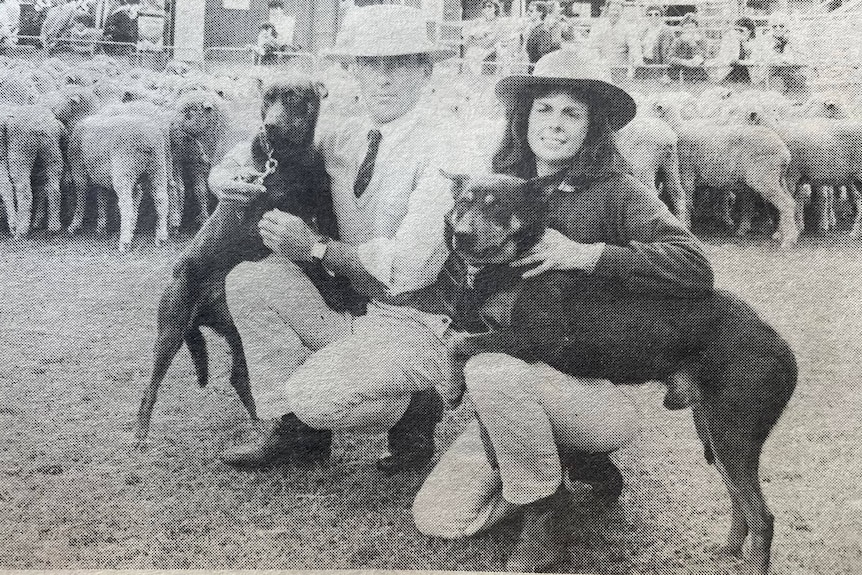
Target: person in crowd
x,y
121,25
687,52
10,18
266,45
284,24
655,37
59,21
316,369
614,40
539,40
544,424
781,56
482,37
729,64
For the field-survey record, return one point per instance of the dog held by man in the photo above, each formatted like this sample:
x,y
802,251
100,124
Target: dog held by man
x,y
280,169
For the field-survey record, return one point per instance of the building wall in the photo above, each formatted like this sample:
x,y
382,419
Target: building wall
x,y
226,27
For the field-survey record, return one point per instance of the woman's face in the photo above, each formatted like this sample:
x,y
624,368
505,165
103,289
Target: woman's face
x,y
557,127
489,11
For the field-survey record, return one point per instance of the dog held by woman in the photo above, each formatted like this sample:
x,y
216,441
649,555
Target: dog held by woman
x,y
741,372
290,177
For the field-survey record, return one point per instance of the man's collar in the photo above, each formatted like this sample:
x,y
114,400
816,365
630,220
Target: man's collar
x,y
398,125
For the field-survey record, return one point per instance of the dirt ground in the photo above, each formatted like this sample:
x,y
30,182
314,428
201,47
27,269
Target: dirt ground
x,y
76,330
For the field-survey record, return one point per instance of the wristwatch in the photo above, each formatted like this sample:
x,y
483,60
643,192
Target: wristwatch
x,y
318,248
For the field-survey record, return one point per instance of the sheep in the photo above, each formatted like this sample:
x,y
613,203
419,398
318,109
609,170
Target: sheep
x,y
727,157
650,147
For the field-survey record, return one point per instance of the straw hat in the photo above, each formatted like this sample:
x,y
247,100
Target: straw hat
x,y
570,70
385,30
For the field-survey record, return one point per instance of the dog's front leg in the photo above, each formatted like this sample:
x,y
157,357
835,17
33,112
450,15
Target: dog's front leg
x,y
464,345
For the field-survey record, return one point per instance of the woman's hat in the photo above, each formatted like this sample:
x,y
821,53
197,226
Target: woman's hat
x,y
570,70
689,18
385,30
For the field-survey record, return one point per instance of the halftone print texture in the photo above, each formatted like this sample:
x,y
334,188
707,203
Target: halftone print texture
x,y
182,250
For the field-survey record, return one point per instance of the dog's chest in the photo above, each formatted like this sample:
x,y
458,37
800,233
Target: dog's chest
x,y
479,299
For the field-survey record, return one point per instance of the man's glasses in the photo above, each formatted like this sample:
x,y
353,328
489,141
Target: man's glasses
x,y
778,26
652,14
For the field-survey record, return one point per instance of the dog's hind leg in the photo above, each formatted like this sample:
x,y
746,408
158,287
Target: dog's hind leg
x,y
738,423
239,377
200,358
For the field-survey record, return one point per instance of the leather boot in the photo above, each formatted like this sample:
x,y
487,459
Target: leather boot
x,y
281,440
593,475
411,440
542,542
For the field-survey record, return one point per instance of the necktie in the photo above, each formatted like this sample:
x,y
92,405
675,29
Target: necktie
x,y
366,170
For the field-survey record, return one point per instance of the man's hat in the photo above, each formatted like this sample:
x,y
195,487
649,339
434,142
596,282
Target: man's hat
x,y
385,30
572,71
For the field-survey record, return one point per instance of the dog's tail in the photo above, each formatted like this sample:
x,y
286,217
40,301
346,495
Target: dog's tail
x,y
198,349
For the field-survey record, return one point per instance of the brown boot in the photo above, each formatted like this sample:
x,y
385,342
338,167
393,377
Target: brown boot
x,y
281,440
542,542
411,440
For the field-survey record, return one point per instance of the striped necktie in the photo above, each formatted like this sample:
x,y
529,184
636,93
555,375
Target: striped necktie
x,y
366,170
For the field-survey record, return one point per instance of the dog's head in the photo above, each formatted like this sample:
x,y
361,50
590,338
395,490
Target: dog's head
x,y
495,218
289,110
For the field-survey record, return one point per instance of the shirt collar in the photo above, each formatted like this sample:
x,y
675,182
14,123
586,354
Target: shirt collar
x,y
397,126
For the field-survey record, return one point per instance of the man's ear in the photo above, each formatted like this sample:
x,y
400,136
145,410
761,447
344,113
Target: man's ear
x,y
458,181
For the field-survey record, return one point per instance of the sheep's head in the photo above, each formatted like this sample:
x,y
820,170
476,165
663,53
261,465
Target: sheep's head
x,y
201,113
825,105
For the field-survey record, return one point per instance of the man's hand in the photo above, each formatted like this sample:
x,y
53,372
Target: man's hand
x,y
287,235
557,252
243,185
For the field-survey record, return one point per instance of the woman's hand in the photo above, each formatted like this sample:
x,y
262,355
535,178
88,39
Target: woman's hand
x,y
287,235
557,252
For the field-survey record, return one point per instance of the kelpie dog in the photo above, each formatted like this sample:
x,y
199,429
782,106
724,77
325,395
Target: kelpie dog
x,y
295,182
742,371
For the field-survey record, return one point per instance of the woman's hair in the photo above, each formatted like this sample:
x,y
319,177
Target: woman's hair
x,y
267,26
596,160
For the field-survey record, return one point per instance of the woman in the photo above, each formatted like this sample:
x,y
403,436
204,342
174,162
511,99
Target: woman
x,y
481,38
655,37
560,124
736,47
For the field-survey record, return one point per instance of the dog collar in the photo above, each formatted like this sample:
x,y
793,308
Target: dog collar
x,y
472,272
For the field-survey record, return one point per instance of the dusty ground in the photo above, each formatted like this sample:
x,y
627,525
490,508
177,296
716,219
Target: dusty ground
x,y
76,329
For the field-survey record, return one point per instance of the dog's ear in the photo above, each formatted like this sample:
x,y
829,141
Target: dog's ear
x,y
542,187
322,92
458,181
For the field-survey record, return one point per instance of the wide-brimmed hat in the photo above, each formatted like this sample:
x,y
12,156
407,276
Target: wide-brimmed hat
x,y
385,30
570,70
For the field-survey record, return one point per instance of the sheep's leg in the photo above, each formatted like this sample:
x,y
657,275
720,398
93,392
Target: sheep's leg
x,y
20,167
176,192
746,213
7,194
158,181
823,196
124,187
723,210
53,172
102,210
681,200
774,191
802,193
857,204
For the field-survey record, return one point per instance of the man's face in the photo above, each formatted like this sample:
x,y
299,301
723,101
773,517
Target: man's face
x,y
391,85
779,30
614,13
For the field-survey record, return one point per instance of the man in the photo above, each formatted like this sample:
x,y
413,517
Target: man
x,y
782,56
316,370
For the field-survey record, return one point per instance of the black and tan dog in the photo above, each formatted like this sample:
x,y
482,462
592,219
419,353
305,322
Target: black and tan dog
x,y
195,297
742,371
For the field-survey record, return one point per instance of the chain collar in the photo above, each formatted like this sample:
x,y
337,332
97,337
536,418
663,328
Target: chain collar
x,y
271,163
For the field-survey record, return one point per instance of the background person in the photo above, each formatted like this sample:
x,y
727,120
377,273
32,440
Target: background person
x,y
614,39
265,46
781,56
539,39
687,52
735,48
121,25
481,37
560,123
